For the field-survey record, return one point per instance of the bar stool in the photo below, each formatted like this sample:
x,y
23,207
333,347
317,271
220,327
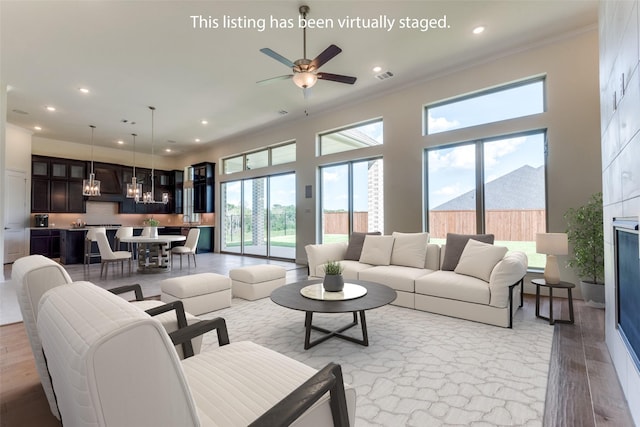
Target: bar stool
x,y
88,244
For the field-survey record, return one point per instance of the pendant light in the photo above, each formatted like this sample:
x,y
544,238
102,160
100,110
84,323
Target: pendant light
x,y
134,190
91,186
149,196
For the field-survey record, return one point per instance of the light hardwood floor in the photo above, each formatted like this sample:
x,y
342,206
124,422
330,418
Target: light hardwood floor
x,y
583,389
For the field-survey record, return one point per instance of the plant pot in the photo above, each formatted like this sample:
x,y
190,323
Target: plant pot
x,y
153,232
592,294
333,283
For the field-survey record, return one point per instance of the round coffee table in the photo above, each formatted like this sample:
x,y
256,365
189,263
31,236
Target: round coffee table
x,y
377,295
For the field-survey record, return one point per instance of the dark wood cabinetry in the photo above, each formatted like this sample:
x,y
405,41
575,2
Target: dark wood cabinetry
x,y
163,183
203,187
178,192
56,185
45,242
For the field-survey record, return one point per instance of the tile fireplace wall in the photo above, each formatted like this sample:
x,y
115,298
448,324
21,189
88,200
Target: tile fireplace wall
x,y
620,125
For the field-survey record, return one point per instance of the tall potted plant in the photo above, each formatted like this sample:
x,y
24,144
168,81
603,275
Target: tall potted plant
x,y
586,234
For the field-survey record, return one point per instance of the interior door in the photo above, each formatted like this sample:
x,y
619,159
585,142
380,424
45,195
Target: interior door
x,y
16,216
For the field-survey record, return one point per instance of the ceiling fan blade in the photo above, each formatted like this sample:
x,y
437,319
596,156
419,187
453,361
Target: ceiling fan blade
x,y
324,57
277,57
273,79
337,78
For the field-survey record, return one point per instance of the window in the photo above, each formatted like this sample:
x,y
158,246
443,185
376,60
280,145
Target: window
x,y
509,201
276,155
233,165
259,216
259,159
486,107
283,154
352,199
351,138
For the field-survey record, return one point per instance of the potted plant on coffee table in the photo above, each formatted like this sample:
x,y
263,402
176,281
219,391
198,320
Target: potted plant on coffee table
x,y
333,281
586,234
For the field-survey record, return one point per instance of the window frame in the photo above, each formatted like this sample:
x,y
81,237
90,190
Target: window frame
x,y
344,128
244,155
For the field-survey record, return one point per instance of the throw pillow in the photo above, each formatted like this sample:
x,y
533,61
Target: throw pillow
x,y
409,249
455,246
356,240
478,259
377,250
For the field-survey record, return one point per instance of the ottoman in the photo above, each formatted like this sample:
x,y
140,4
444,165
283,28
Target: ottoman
x,y
256,281
200,293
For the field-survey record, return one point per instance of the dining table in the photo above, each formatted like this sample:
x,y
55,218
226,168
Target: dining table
x,y
153,253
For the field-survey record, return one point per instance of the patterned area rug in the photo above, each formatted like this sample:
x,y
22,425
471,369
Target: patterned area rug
x,y
420,369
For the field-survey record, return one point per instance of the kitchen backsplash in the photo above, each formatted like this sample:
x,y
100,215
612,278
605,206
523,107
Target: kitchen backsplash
x,y
107,213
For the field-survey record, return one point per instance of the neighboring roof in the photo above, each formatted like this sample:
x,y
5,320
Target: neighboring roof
x,y
522,188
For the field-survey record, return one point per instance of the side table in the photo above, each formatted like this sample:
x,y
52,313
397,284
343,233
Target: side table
x,y
562,285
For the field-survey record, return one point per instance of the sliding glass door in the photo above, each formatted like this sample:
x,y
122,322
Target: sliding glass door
x,y
259,216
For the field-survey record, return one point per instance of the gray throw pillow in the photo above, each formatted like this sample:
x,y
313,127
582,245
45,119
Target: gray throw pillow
x,y
356,241
456,244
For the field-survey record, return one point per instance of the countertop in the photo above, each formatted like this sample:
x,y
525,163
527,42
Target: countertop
x,y
69,228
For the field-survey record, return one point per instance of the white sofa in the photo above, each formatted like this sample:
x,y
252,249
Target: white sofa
x,y
424,286
111,364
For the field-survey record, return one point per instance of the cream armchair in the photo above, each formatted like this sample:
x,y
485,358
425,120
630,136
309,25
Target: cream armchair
x,y
113,365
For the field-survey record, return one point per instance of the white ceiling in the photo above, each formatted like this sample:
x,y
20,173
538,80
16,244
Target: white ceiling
x,y
132,54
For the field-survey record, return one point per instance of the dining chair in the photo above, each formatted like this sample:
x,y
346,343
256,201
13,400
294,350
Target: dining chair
x,y
108,256
123,232
189,247
88,244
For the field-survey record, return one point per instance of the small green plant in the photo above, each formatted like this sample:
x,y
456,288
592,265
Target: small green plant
x,y
152,222
586,234
333,268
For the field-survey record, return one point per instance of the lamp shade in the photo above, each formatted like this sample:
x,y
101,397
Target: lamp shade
x,y
304,79
552,243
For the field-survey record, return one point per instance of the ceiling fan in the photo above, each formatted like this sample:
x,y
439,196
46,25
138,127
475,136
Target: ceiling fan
x,y
305,71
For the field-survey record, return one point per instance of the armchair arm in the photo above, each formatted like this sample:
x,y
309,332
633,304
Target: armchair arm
x,y
135,288
185,335
302,398
187,347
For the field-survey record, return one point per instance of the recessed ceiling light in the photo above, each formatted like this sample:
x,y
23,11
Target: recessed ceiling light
x,y
377,69
168,150
50,108
84,90
120,142
204,122
197,139
37,128
478,30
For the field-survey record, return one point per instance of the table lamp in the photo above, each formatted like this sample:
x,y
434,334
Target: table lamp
x,y
552,244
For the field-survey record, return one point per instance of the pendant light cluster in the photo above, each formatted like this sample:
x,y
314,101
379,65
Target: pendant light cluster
x,y
91,186
149,196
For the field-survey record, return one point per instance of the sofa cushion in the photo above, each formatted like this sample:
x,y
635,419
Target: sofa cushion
x,y
350,269
478,259
356,241
409,249
455,245
447,284
396,277
377,250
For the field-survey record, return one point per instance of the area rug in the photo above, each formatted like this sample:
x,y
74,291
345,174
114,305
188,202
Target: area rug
x,y
420,369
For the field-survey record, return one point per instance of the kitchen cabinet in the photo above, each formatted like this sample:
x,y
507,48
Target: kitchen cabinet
x,y
178,192
45,242
71,243
163,182
203,187
56,185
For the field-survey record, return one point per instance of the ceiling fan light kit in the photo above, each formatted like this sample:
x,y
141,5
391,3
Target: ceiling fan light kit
x,y
305,71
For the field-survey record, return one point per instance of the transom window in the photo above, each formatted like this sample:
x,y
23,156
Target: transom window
x,y
506,102
285,153
351,138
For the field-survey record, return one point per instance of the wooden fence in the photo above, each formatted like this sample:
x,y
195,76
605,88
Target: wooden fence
x,y
510,225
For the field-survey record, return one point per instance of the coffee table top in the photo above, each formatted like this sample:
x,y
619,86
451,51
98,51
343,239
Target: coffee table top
x,y
289,296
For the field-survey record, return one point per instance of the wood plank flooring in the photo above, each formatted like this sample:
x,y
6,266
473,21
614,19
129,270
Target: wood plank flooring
x,y
583,389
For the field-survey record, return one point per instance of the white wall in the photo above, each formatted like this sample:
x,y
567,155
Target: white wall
x,y
572,121
3,121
